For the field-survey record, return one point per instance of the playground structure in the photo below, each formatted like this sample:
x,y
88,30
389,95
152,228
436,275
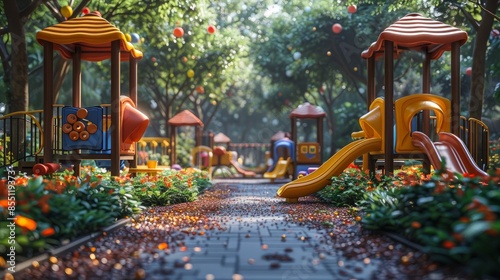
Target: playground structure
x,y
216,155
68,134
224,159
412,32
303,154
309,152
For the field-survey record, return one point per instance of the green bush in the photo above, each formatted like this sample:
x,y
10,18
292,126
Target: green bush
x,y
454,216
348,188
170,187
52,210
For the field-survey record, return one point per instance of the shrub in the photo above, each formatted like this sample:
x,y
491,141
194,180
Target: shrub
x,y
54,209
348,188
455,216
170,187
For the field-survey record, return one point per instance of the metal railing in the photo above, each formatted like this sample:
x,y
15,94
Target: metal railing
x,y
157,148
478,140
21,137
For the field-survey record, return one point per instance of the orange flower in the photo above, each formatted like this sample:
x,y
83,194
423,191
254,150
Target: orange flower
x,y
464,220
4,203
440,187
489,216
458,237
48,232
43,203
25,222
448,244
491,232
21,181
416,224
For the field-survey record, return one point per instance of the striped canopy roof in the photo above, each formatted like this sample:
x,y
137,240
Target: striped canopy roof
x,y
92,34
415,32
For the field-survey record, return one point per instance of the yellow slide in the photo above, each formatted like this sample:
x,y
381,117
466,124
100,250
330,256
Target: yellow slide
x,y
279,170
318,179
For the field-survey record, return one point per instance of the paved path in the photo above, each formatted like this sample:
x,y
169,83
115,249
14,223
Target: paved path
x,y
258,241
258,244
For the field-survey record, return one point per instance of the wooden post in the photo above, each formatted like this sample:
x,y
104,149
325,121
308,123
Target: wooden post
x,y
48,94
115,108
455,88
389,111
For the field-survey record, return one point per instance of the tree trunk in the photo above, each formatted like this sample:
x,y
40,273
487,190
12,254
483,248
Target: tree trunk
x,y
18,97
479,60
18,100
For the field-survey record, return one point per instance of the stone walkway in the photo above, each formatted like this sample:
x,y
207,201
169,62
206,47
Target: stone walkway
x,y
242,231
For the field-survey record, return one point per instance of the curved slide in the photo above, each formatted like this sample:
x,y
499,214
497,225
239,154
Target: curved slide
x,y
280,169
449,148
241,170
318,179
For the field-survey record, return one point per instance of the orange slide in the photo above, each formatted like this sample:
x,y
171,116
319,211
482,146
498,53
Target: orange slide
x,y
450,149
318,179
241,170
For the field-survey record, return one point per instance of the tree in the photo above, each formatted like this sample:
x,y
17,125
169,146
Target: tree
x,y
306,61
483,26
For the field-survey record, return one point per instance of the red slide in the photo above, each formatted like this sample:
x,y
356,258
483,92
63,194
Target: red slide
x,y
451,149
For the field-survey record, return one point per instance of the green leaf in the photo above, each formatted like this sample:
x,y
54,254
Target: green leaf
x,y
476,228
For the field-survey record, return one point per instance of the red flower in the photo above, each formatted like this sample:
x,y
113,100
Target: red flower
x,y
48,232
448,244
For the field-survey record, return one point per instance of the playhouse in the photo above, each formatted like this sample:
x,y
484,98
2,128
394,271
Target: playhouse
x,y
402,128
72,133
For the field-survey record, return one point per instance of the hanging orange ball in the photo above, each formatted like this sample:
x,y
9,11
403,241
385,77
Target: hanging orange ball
x,y
178,32
200,89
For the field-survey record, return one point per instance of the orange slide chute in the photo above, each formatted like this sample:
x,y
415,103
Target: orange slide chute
x,y
318,179
241,170
371,124
450,149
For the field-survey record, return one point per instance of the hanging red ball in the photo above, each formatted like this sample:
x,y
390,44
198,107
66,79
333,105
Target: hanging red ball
x,y
337,28
85,10
352,9
178,32
211,29
468,71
